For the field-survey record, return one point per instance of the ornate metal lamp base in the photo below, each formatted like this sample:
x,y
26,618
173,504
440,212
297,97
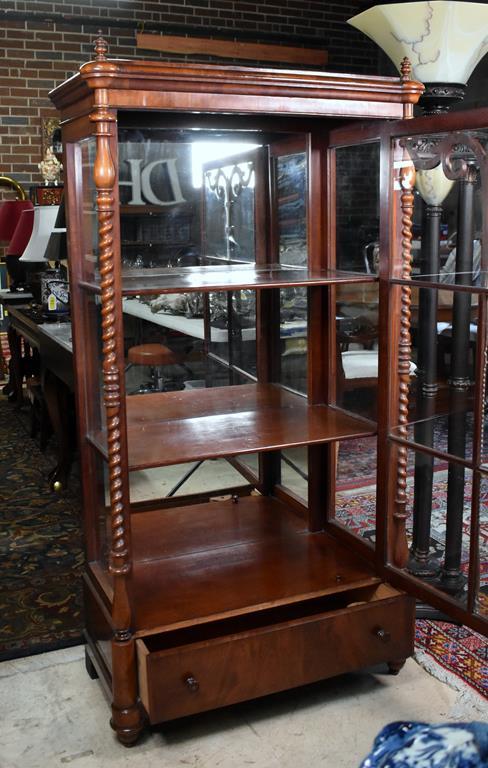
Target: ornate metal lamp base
x,y
438,98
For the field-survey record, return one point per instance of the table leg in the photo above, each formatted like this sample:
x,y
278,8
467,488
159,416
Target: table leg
x,y
13,388
57,397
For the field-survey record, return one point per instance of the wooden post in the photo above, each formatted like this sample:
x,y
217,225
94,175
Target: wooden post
x,y
126,716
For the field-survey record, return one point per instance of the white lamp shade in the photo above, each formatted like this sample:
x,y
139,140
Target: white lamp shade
x,y
443,39
44,221
433,185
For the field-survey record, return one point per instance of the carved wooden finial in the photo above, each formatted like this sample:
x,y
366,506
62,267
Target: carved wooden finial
x,y
101,47
406,69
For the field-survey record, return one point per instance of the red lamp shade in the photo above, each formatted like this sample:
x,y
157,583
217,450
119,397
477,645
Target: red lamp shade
x,y
23,231
10,211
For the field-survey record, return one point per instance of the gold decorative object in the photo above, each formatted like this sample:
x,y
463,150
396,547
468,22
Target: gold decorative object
x,y
50,168
48,126
9,182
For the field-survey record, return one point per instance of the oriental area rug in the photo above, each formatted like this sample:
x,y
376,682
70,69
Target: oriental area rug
x,y
41,551
41,558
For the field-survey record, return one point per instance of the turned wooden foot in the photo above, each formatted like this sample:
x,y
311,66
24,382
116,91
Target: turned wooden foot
x,y
127,724
90,667
394,667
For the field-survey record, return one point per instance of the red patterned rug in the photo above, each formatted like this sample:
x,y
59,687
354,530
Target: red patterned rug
x,y
452,653
458,650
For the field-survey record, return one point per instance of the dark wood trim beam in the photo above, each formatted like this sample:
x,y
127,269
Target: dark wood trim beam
x,y
231,49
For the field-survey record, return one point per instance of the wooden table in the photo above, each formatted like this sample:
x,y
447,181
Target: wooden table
x,y
52,354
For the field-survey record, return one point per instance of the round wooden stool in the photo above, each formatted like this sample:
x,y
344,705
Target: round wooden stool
x,y
155,356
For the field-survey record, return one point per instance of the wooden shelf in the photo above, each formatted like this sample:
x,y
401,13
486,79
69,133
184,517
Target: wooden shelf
x,y
176,427
228,277
222,559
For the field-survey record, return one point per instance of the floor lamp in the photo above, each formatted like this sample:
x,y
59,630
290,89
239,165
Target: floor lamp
x,y
444,41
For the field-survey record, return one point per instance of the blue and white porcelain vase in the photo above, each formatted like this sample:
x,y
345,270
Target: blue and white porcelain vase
x,y
420,745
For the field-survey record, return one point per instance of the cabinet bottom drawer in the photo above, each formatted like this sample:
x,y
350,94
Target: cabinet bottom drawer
x,y
201,668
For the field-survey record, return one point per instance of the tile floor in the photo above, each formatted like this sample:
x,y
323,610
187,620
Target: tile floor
x,y
53,716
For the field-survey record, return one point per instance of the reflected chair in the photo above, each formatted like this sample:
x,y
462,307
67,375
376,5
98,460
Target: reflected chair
x,y
358,367
156,357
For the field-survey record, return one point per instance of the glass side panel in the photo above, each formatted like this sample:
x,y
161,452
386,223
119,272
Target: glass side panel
x,y
100,503
481,603
357,319
443,354
357,207
355,500
89,221
91,335
439,495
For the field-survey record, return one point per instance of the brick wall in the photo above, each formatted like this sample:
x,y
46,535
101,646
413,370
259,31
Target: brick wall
x,y
45,42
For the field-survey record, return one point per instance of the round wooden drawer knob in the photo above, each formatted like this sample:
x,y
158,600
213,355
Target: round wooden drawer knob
x,y
191,683
382,634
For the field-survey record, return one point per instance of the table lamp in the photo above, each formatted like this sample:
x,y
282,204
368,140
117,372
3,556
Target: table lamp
x,y
10,211
18,243
33,258
56,249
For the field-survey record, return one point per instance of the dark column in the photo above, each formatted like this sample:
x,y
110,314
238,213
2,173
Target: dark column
x,y
419,562
452,578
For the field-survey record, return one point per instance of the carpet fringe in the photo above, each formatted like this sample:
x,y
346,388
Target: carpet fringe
x,y
467,697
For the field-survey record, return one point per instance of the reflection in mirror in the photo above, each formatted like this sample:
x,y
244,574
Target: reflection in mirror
x,y
294,471
163,340
357,207
291,202
181,479
229,222
232,333
355,506
191,198
357,348
293,338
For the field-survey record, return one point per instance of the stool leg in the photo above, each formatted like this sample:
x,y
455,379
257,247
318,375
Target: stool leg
x,y
158,378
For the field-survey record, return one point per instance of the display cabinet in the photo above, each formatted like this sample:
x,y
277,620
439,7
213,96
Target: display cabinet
x,y
250,197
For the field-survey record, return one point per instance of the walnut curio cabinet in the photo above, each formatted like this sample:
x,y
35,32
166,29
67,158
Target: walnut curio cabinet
x,y
255,233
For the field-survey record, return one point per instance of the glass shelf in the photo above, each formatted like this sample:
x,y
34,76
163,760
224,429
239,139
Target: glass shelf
x,y
227,277
433,433
458,281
